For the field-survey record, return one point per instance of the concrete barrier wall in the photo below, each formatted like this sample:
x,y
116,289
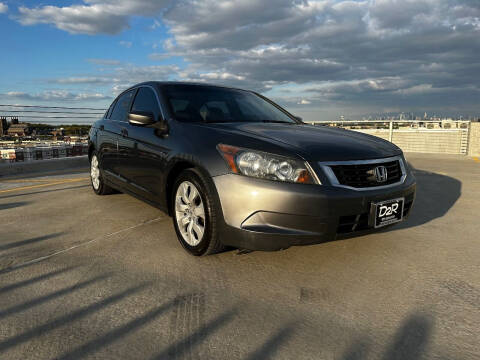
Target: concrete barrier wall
x,y
44,166
426,141
440,142
474,142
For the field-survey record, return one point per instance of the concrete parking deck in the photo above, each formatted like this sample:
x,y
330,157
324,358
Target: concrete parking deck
x,y
83,276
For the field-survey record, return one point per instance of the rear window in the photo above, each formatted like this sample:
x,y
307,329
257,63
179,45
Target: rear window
x,y
109,111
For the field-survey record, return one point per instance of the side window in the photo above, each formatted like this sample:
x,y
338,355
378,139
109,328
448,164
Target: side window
x,y
146,101
109,111
121,107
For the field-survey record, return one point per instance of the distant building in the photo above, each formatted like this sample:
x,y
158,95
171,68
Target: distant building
x,y
57,134
19,129
3,126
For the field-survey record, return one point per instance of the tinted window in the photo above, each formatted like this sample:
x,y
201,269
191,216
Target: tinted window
x,y
194,103
215,111
109,111
146,101
121,107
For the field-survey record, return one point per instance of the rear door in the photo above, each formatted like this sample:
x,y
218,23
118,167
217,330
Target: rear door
x,y
107,142
116,131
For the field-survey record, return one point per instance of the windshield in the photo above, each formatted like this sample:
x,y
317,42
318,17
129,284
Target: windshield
x,y
196,103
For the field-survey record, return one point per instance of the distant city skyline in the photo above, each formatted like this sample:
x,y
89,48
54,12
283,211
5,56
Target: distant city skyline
x,y
386,116
318,58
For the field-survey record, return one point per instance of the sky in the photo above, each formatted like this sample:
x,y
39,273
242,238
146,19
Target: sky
x,y
319,59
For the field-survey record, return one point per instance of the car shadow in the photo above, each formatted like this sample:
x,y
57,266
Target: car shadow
x,y
13,205
436,195
44,191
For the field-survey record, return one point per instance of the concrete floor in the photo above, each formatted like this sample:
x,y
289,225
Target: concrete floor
x,y
83,276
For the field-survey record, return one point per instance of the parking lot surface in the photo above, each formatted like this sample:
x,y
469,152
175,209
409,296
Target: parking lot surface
x,y
84,276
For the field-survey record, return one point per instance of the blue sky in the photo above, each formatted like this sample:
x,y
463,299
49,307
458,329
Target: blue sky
x,y
37,56
319,58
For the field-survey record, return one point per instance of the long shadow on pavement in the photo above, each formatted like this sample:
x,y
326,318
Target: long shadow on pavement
x,y
43,299
116,334
411,339
67,318
28,241
271,346
409,342
23,283
13,205
44,191
177,349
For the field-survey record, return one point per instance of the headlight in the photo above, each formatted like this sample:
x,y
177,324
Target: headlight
x,y
266,166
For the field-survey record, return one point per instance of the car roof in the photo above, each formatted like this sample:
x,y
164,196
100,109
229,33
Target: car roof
x,y
164,83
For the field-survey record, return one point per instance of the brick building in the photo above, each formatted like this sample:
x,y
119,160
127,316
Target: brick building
x,y
20,129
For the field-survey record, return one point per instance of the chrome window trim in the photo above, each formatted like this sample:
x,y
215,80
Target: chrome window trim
x,y
325,166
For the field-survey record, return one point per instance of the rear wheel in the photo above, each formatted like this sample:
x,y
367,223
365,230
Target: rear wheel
x,y
96,177
195,214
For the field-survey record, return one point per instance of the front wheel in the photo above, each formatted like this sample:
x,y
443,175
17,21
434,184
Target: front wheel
x,y
96,178
195,215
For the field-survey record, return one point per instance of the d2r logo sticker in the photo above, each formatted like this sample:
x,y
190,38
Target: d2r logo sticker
x,y
387,210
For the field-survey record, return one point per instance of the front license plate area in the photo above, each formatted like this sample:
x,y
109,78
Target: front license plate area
x,y
387,212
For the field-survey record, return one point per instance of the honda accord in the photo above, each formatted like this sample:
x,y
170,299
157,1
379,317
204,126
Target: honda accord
x,y
232,168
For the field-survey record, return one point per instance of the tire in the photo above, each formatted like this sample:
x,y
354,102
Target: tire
x,y
96,177
190,195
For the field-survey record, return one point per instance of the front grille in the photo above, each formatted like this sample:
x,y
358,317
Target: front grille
x,y
363,175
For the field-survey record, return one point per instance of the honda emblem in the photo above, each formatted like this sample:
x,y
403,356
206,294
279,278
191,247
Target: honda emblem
x,y
381,174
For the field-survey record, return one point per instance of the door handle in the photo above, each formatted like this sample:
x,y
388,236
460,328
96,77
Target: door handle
x,y
124,132
102,127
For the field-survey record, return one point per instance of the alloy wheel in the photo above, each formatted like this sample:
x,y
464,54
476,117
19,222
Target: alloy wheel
x,y
190,213
95,172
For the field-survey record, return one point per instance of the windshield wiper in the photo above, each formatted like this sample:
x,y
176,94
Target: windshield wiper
x,y
216,121
278,122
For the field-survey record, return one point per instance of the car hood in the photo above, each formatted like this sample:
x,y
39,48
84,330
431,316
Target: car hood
x,y
317,143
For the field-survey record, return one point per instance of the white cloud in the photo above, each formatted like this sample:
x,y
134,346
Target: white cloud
x,y
156,24
304,102
121,77
3,8
105,62
51,95
220,76
370,53
84,80
92,17
126,44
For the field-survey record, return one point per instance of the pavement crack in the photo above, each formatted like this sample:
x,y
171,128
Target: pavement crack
x,y
73,247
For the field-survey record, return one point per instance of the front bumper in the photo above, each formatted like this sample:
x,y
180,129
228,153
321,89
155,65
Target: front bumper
x,y
268,215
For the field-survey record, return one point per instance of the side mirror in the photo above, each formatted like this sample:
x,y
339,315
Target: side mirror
x,y
162,127
141,118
